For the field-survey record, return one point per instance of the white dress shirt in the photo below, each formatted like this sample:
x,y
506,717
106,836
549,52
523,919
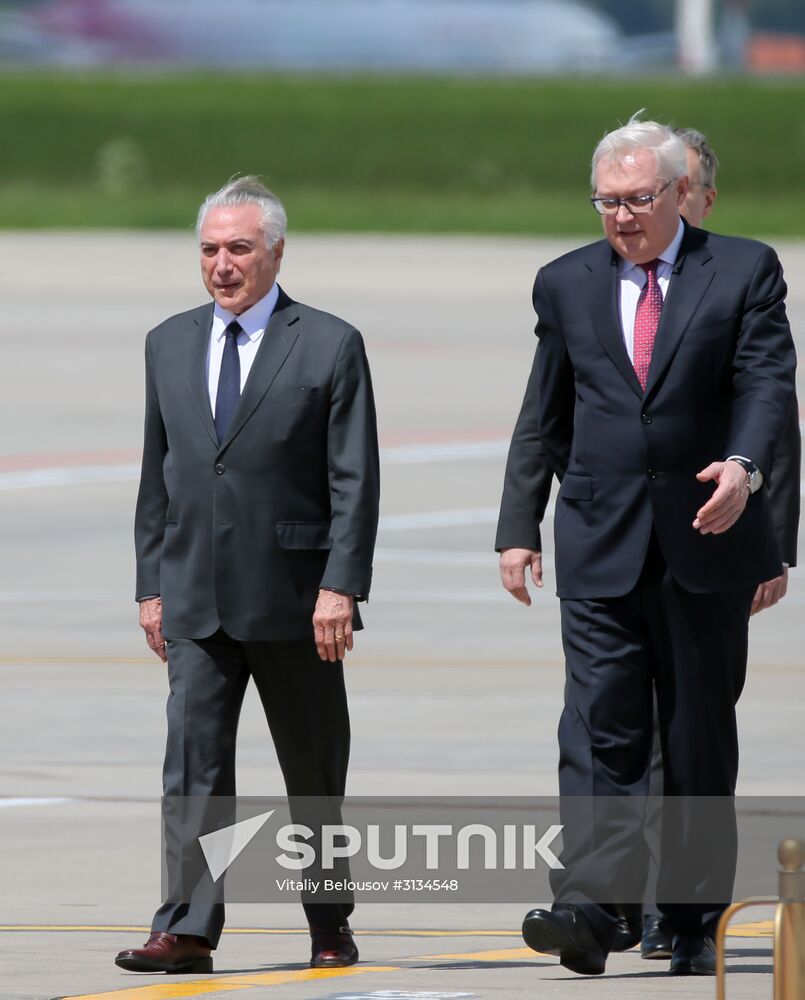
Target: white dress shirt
x,y
254,323
632,277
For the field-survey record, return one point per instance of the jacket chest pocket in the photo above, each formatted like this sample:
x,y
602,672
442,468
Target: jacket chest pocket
x,y
705,333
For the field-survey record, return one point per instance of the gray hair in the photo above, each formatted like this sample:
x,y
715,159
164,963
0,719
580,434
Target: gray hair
x,y
668,148
248,190
708,161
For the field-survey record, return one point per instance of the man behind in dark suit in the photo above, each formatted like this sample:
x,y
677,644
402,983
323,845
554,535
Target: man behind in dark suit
x,y
783,484
661,383
255,528
784,502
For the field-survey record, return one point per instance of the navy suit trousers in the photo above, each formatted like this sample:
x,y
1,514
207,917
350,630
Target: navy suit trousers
x,y
693,649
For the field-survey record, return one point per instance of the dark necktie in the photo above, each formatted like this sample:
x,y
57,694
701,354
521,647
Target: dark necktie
x,y
228,382
646,321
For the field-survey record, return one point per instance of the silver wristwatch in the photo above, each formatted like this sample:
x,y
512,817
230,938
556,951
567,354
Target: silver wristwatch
x,y
752,471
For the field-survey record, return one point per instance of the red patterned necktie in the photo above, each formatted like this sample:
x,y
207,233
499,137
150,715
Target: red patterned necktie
x,y
646,321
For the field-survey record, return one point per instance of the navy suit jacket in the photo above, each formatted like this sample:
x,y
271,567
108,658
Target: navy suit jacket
x,y
721,382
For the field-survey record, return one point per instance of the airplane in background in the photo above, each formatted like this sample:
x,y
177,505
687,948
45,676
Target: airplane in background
x,y
76,33
473,36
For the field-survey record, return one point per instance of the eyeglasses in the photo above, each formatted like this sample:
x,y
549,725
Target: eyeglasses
x,y
637,205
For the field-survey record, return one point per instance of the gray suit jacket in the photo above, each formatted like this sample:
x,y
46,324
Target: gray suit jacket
x,y
241,535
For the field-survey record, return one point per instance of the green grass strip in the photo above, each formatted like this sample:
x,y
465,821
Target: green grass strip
x,y
374,153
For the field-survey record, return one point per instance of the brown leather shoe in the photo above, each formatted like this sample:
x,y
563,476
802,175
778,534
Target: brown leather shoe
x,y
332,949
168,953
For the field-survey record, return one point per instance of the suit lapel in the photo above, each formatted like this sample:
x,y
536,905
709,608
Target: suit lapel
x,y
197,339
275,346
604,309
691,278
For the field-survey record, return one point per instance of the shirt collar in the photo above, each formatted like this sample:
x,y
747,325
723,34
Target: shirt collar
x,y
254,320
668,256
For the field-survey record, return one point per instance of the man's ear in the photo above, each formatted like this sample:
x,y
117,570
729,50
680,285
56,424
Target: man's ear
x,y
709,198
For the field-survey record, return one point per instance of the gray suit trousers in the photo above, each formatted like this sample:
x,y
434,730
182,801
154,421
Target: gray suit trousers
x,y
306,708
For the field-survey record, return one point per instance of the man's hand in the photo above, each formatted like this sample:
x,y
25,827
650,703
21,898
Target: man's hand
x,y
151,623
727,504
332,624
770,592
513,563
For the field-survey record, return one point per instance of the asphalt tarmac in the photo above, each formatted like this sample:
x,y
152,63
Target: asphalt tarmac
x,y
454,688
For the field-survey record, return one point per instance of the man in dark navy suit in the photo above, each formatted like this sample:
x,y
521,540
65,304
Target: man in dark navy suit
x,y
784,501
784,480
661,383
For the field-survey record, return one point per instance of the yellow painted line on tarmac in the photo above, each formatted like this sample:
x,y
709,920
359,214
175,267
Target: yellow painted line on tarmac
x,y
49,928
444,933
141,929
222,984
498,955
227,984
759,928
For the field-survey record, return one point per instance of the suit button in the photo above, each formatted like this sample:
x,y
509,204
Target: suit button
x,y
220,470
646,418
651,474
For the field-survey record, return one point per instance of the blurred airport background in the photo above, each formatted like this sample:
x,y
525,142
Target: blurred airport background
x,y
388,115
495,36
402,117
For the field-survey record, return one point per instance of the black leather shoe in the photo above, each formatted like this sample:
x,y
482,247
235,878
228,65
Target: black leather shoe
x,y
657,939
693,955
566,932
332,949
164,952
629,930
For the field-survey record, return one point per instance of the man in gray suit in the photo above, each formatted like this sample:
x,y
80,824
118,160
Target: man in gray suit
x,y
255,528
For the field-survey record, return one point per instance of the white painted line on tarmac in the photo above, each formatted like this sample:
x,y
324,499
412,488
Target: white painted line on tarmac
x,y
63,596
14,801
489,596
457,517
412,596
79,475
432,557
419,454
